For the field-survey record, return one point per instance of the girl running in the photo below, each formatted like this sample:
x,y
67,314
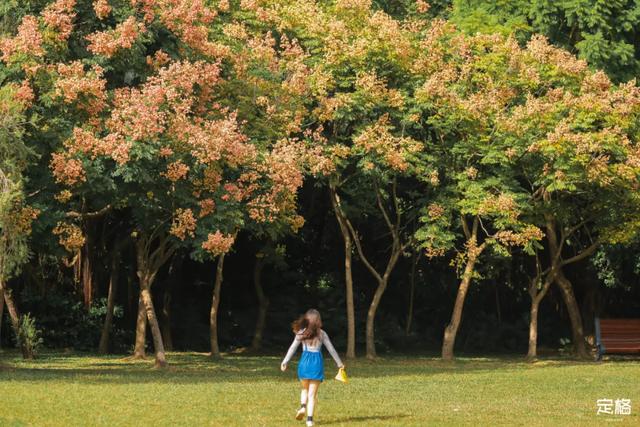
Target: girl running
x,y
308,330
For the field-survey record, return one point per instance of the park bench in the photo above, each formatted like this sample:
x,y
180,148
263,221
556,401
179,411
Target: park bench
x,y
617,336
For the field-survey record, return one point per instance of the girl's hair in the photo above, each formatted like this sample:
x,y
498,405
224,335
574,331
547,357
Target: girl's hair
x,y
310,322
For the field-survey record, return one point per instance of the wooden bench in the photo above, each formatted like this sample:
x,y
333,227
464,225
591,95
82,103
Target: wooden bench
x,y
617,336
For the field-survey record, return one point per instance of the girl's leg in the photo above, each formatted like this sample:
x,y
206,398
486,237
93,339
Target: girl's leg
x,y
304,392
314,385
303,399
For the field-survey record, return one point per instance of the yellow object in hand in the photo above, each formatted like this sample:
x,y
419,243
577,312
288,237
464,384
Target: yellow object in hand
x,y
342,376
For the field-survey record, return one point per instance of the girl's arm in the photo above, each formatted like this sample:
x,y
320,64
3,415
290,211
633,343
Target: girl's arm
x,y
292,350
327,343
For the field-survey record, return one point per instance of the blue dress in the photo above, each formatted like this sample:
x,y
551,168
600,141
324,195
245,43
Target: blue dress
x,y
311,366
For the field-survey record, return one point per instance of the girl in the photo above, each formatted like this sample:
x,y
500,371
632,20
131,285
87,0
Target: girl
x,y
311,368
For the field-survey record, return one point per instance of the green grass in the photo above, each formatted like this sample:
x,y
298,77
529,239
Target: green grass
x,y
74,390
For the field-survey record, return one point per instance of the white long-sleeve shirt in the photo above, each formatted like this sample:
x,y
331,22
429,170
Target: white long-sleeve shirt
x,y
314,345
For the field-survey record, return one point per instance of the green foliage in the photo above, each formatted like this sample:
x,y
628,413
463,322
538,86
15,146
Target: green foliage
x,y
15,222
492,16
604,33
66,323
479,194
29,336
441,129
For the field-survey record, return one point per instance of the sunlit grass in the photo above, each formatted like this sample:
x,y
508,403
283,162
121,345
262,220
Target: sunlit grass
x,y
74,390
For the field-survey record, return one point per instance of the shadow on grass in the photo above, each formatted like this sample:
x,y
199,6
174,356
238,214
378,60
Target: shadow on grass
x,y
364,419
199,368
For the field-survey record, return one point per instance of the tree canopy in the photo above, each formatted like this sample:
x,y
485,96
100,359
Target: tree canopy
x,y
487,141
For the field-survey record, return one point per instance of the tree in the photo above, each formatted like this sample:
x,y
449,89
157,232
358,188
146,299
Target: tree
x,y
342,220
383,160
575,138
16,215
263,196
114,269
132,139
360,60
602,33
463,95
561,135
269,254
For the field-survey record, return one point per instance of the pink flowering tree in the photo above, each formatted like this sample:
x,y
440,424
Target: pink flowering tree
x,y
210,181
260,200
160,129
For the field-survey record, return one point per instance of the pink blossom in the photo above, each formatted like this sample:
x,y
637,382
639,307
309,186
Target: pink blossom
x,y
101,8
27,41
218,243
25,94
123,36
59,16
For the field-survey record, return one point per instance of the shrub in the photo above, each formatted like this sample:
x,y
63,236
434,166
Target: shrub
x,y
29,336
66,323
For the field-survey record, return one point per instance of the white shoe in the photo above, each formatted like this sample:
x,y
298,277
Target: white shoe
x,y
309,423
300,413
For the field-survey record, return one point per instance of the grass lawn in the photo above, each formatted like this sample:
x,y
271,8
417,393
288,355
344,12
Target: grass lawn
x,y
74,390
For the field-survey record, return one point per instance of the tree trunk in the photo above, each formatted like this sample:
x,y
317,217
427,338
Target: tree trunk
x,y
167,337
13,312
141,331
412,285
1,313
451,330
371,315
215,302
15,320
149,262
574,314
145,293
86,279
351,317
532,354
397,247
498,310
536,298
348,274
263,304
103,348
131,299
555,248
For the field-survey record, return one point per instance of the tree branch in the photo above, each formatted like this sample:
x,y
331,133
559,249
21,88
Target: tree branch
x,y
383,210
465,227
89,215
575,228
582,255
395,202
474,231
364,259
337,210
484,229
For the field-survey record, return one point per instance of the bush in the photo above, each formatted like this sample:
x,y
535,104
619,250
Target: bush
x,y
29,336
66,323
